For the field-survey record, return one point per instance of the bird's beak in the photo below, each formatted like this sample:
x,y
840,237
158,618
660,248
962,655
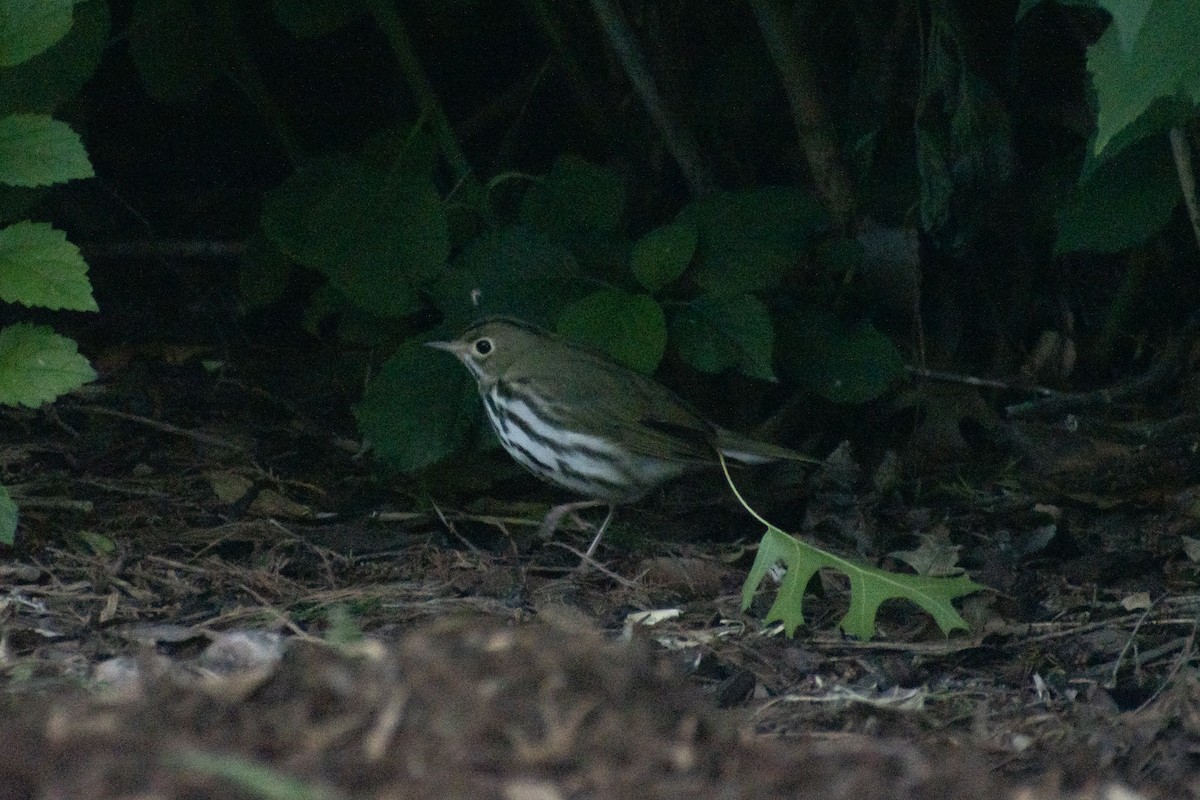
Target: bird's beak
x,y
450,347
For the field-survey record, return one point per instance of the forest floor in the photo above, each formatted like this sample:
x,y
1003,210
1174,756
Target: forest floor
x,y
212,595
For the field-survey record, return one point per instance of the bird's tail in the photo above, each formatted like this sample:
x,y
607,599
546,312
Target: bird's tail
x,y
745,450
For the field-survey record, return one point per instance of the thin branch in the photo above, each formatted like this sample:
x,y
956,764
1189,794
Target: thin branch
x,y
675,133
386,17
814,126
971,380
1187,177
249,79
1166,369
165,427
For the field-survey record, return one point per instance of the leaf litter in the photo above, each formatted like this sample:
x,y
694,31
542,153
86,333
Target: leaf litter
x,y
173,642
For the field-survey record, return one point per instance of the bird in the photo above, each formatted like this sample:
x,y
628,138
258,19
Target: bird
x,y
580,420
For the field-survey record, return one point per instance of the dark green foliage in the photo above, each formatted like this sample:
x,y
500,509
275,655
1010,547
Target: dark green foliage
x,y
750,240
846,363
41,64
1122,201
521,169
376,233
418,409
716,332
629,327
661,256
516,270
174,47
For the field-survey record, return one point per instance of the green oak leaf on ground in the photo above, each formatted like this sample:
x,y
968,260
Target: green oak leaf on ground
x,y
869,586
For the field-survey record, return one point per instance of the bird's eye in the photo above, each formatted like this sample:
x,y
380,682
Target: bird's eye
x,y
483,346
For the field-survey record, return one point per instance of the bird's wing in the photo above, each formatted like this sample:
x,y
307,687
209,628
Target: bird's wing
x,y
633,410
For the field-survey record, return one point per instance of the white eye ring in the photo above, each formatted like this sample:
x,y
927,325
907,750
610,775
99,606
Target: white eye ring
x,y
483,347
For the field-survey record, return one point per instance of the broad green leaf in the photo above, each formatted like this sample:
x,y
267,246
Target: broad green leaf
x,y
843,362
661,256
39,267
324,302
27,27
870,587
1128,18
516,271
46,80
629,327
8,517
1122,202
575,196
306,19
419,408
375,234
262,274
748,241
1161,62
1028,5
36,150
37,365
174,49
716,332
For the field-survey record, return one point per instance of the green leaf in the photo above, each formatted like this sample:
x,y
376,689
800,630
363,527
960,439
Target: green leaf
x,y
262,274
576,196
1028,5
749,241
516,271
39,267
1122,202
307,19
843,362
629,327
37,365
716,332
46,80
869,587
661,256
419,409
27,27
375,234
174,49
1128,18
8,517
1133,65
36,150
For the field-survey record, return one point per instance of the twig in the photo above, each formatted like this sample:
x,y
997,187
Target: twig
x,y
675,133
584,558
209,249
1165,369
1185,656
280,616
811,118
1112,681
971,380
1187,177
165,427
55,503
394,30
453,530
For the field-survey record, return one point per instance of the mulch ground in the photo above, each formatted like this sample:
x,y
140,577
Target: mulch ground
x,y
213,595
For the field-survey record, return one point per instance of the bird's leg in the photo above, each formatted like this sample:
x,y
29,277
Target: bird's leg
x,y
554,516
600,533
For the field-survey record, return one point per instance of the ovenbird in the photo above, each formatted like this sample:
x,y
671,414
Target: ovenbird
x,y
580,420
